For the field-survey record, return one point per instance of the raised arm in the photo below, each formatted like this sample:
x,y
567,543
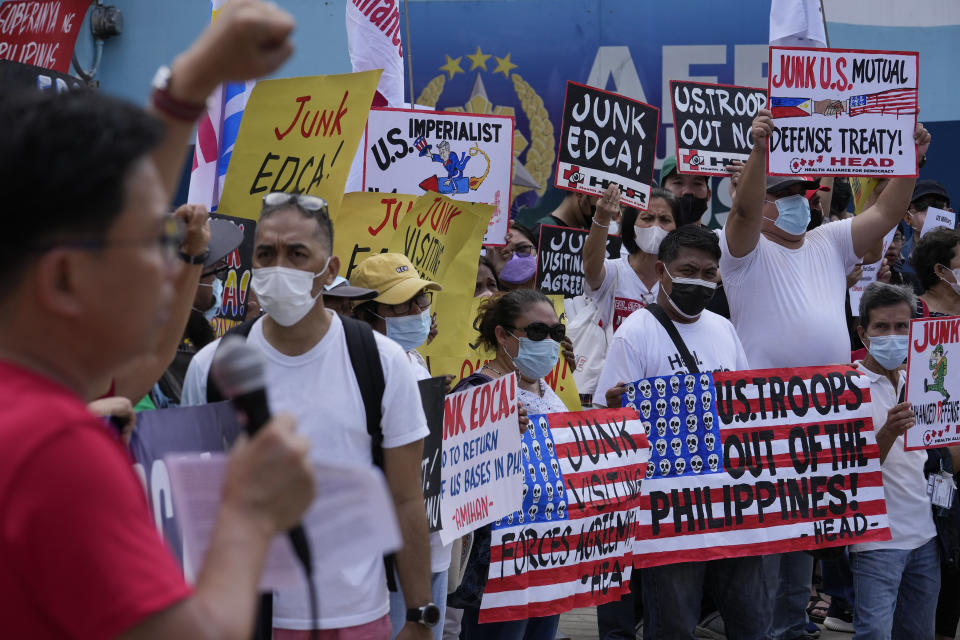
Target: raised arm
x,y
135,378
870,226
746,215
595,247
249,39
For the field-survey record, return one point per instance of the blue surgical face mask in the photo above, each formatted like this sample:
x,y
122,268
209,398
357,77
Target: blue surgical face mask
x,y
794,215
409,331
535,358
889,351
217,285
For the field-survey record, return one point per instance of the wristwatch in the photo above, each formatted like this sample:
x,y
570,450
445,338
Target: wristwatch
x,y
428,615
199,259
163,101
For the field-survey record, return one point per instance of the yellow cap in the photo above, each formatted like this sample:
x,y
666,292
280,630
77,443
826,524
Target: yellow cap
x,y
393,275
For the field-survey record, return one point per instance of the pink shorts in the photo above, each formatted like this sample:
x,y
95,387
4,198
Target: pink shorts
x,y
376,630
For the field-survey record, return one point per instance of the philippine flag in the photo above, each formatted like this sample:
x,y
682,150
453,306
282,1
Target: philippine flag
x,y
790,107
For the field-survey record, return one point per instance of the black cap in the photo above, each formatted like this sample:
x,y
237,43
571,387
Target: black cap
x,y
340,288
929,188
779,183
225,236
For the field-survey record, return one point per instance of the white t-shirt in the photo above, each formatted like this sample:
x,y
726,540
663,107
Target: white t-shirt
x,y
904,485
621,293
642,348
439,552
788,304
320,389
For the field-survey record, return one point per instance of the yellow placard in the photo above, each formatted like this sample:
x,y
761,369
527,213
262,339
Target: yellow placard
x,y
365,224
435,231
298,135
862,188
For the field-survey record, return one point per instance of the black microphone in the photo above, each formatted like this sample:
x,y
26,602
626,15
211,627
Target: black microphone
x,y
237,370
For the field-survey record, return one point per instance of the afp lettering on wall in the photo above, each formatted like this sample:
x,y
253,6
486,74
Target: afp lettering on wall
x,y
933,382
843,112
712,125
607,138
799,468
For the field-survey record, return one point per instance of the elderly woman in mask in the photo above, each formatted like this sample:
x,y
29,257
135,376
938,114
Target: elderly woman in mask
x,y
620,286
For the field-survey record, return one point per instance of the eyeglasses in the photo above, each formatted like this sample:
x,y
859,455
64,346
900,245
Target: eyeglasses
x,y
537,331
423,301
169,241
305,202
523,250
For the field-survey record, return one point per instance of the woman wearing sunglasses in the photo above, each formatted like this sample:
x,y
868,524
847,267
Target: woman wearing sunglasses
x,y
523,329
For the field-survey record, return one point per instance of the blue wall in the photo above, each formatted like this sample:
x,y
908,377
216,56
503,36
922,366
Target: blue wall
x,y
630,46
155,31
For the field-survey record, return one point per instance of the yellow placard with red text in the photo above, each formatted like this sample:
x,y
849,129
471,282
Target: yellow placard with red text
x,y
298,135
365,224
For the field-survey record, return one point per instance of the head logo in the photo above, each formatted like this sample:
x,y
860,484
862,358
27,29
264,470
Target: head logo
x,y
403,268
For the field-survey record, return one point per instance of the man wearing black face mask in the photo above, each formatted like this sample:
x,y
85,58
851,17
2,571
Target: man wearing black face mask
x,y
688,269
692,191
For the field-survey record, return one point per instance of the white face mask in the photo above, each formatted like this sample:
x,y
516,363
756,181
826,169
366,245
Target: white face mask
x,y
649,238
285,294
953,285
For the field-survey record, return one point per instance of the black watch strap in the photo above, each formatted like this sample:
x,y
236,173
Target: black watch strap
x,y
200,259
427,615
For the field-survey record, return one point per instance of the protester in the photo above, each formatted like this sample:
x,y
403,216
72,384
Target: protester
x,y
339,296
620,286
524,331
840,196
486,279
688,268
692,192
88,280
518,267
937,265
309,373
576,210
779,275
896,582
401,311
225,237
926,194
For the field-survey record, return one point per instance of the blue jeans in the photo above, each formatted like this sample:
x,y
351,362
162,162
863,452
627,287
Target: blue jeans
x,y
788,577
544,628
398,606
672,596
897,592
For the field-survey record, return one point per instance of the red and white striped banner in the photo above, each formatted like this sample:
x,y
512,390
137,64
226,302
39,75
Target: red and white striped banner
x,y
572,543
801,470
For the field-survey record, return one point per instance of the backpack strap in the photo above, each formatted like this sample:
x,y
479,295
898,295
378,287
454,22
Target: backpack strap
x,y
678,342
242,330
365,358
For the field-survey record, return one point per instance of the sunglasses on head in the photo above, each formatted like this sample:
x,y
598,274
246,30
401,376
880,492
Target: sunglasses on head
x,y
307,203
537,331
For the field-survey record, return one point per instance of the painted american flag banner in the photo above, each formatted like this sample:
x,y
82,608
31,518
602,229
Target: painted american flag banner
x,y
572,543
800,470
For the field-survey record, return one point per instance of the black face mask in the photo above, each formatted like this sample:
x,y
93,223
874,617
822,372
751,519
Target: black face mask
x,y
691,209
690,296
816,219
